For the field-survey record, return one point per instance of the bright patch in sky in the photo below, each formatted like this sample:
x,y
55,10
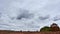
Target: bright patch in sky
x,y
28,15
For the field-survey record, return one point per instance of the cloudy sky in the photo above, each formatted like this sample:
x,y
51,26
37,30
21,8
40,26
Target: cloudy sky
x,y
28,15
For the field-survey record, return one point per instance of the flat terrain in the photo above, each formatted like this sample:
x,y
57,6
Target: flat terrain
x,y
24,32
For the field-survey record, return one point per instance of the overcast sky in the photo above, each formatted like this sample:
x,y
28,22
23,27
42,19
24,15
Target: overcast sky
x,y
28,15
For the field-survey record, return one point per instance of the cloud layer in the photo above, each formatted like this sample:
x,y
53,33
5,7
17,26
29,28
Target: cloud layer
x,y
24,14
56,18
28,14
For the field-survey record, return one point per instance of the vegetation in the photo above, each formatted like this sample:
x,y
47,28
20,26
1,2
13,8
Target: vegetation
x,y
53,27
46,28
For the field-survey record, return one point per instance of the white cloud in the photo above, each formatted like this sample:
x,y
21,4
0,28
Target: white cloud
x,y
31,9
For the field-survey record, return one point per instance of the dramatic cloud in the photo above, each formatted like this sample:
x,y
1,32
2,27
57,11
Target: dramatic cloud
x,y
19,14
44,17
24,14
56,18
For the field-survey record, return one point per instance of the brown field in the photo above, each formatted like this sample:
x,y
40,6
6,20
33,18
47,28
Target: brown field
x,y
20,32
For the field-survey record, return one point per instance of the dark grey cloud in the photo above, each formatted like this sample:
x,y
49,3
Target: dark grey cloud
x,y
24,14
44,17
56,18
